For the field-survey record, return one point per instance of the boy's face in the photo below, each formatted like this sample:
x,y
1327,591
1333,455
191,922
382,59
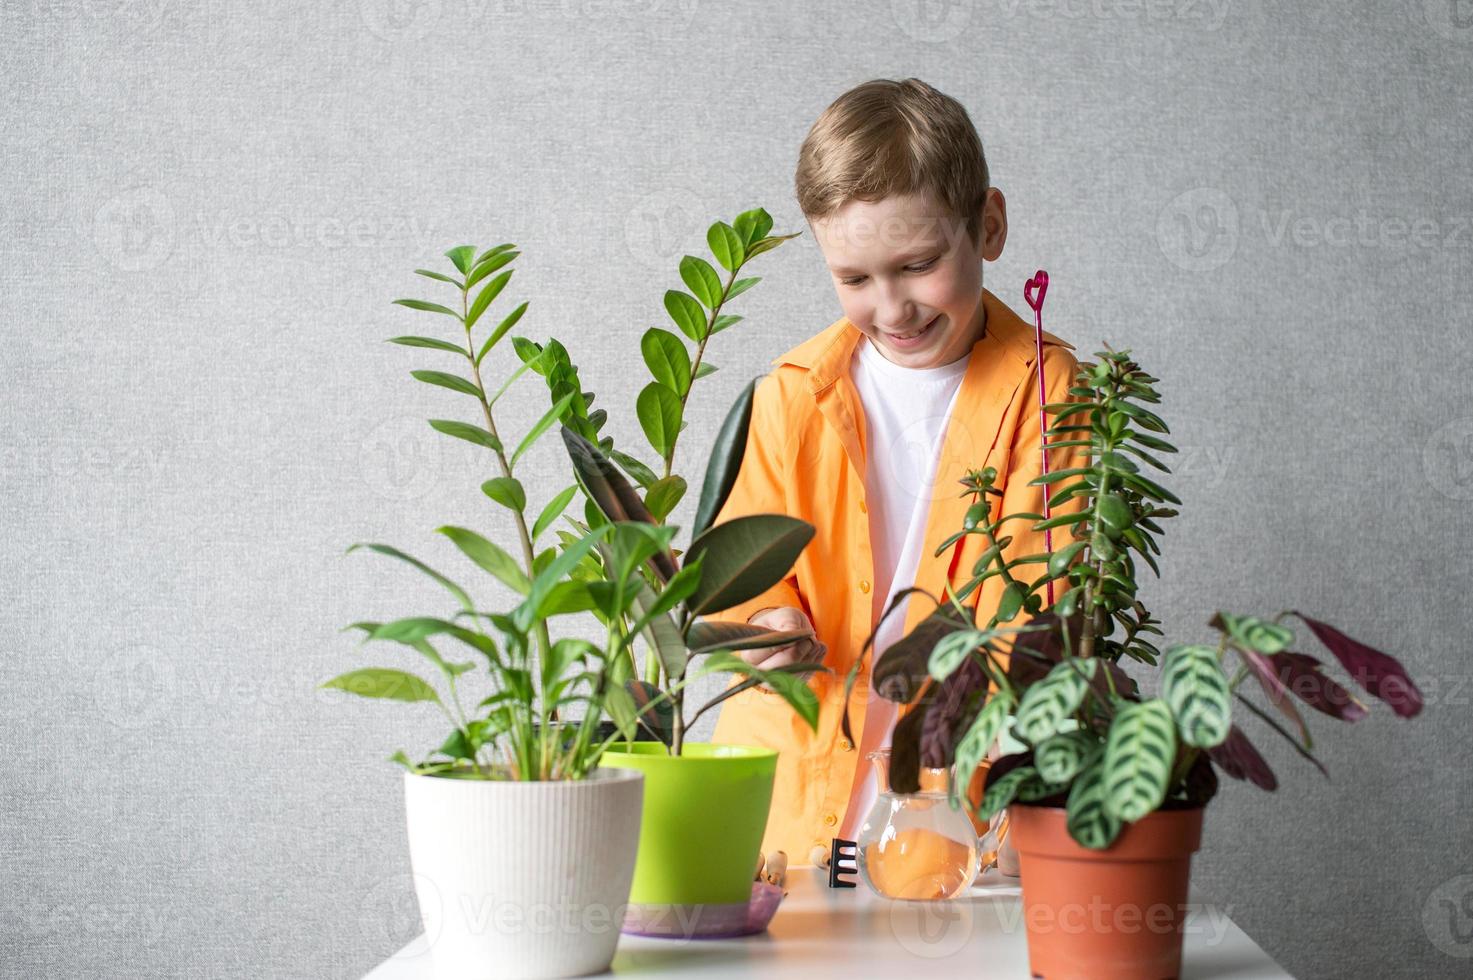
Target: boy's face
x,y
903,265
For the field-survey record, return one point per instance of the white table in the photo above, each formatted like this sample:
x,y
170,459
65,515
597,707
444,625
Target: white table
x,y
854,933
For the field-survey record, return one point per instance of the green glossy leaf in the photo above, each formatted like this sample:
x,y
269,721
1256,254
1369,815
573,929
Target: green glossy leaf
x,y
466,431
1059,561
383,682
726,245
452,381
486,297
701,280
543,424
487,265
665,496
752,226
1049,702
708,636
438,277
419,304
1139,754
500,331
741,286
460,594
660,631
553,511
1114,513
637,471
723,321
745,557
506,491
430,342
665,356
659,411
545,580
725,460
461,255
705,368
1193,686
489,556
1010,603
687,314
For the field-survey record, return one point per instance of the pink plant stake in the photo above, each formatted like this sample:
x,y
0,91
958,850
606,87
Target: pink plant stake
x,y
1033,293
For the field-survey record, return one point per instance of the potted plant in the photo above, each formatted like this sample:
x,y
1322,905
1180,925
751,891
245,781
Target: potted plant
x,y
523,849
706,805
1106,795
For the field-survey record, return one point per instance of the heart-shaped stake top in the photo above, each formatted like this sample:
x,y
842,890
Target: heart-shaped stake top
x,y
1035,290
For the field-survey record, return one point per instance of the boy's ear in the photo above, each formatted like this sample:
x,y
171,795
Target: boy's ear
x,y
994,229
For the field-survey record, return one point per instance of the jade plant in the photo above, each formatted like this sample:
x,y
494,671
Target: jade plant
x,y
518,729
1091,741
723,565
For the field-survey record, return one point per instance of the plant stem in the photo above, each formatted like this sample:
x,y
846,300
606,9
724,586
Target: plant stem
x,y
544,642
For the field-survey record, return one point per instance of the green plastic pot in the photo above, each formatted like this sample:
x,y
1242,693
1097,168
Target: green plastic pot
x,y
705,812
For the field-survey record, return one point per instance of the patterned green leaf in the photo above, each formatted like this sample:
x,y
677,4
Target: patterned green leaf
x,y
973,746
1047,703
1193,686
1000,792
1061,757
951,650
1139,754
1089,822
1255,633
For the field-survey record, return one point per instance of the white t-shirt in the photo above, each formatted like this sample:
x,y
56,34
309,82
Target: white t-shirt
x,y
905,411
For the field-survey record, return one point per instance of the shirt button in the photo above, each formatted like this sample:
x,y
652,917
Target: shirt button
x,y
829,820
846,745
864,586
863,507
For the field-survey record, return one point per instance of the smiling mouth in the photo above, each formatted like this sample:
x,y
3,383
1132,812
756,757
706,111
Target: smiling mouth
x,y
917,333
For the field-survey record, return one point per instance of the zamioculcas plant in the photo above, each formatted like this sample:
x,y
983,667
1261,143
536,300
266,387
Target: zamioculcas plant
x,y
1094,745
724,565
515,730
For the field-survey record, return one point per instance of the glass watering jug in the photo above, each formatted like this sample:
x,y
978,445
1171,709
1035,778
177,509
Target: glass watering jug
x,y
914,845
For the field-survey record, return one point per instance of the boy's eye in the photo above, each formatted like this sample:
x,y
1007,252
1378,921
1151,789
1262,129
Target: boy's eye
x,y
918,267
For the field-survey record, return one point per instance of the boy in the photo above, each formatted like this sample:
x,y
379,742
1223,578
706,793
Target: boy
x,y
865,429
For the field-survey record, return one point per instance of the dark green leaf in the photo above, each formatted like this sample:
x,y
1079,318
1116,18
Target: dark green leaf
x,y
664,496
725,460
744,558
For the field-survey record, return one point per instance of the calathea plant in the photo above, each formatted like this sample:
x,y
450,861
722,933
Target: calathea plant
x,y
514,731
1093,743
725,564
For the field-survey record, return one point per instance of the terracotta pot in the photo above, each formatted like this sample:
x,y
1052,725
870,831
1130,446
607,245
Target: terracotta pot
x,y
1114,914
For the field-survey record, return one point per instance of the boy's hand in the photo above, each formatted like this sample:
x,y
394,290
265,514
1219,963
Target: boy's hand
x,y
785,619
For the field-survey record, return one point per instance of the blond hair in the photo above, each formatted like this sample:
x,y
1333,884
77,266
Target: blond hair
x,y
886,137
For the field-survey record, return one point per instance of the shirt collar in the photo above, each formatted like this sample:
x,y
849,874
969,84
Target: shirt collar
x,y
826,355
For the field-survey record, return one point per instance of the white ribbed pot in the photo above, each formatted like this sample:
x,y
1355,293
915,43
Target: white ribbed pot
x,y
523,879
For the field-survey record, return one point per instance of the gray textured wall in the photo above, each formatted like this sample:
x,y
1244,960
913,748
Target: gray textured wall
x,y
207,208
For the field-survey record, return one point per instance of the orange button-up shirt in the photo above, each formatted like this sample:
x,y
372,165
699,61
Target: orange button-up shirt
x,y
805,457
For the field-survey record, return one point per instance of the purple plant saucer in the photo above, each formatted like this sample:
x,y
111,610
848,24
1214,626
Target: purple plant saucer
x,y
708,921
